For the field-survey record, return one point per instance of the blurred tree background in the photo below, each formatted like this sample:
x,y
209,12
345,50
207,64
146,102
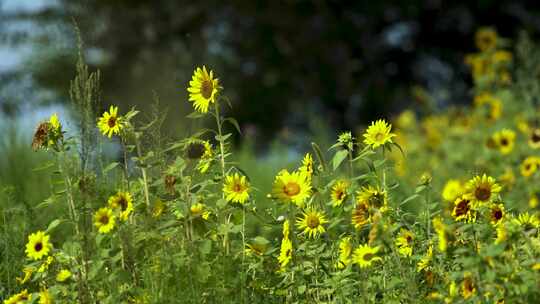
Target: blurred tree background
x,y
281,62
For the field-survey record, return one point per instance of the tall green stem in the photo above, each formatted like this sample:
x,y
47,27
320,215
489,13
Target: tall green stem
x,y
221,141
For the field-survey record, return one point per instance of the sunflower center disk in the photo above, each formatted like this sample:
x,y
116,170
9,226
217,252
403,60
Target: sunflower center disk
x,y
312,221
291,189
38,246
535,137
462,207
497,214
367,257
123,203
482,193
111,122
237,188
104,220
206,89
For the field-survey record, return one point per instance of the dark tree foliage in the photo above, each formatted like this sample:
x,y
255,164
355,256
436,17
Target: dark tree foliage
x,y
284,61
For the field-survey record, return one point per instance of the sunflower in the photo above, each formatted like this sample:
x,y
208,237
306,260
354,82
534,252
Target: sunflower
x,y
285,253
21,297
291,187
527,221
339,192
467,286
491,103
286,229
45,265
378,134
124,202
345,250
404,242
110,123
45,297
206,158
482,189
534,200
197,209
508,178
502,57
104,220
501,233
236,188
496,213
159,208
485,39
425,261
38,245
463,210
312,222
63,275
194,148
203,89
27,275
504,140
529,166
406,120
365,255
307,165
360,215
534,138
256,249
442,233
452,190
374,197
200,210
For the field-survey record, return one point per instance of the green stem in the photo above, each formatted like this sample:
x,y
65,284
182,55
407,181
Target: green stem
x,y
221,141
143,171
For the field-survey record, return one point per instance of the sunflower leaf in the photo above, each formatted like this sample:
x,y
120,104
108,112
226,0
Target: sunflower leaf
x,y
338,158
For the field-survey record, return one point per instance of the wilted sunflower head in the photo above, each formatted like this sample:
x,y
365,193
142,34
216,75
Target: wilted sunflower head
x,y
195,149
170,182
40,136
